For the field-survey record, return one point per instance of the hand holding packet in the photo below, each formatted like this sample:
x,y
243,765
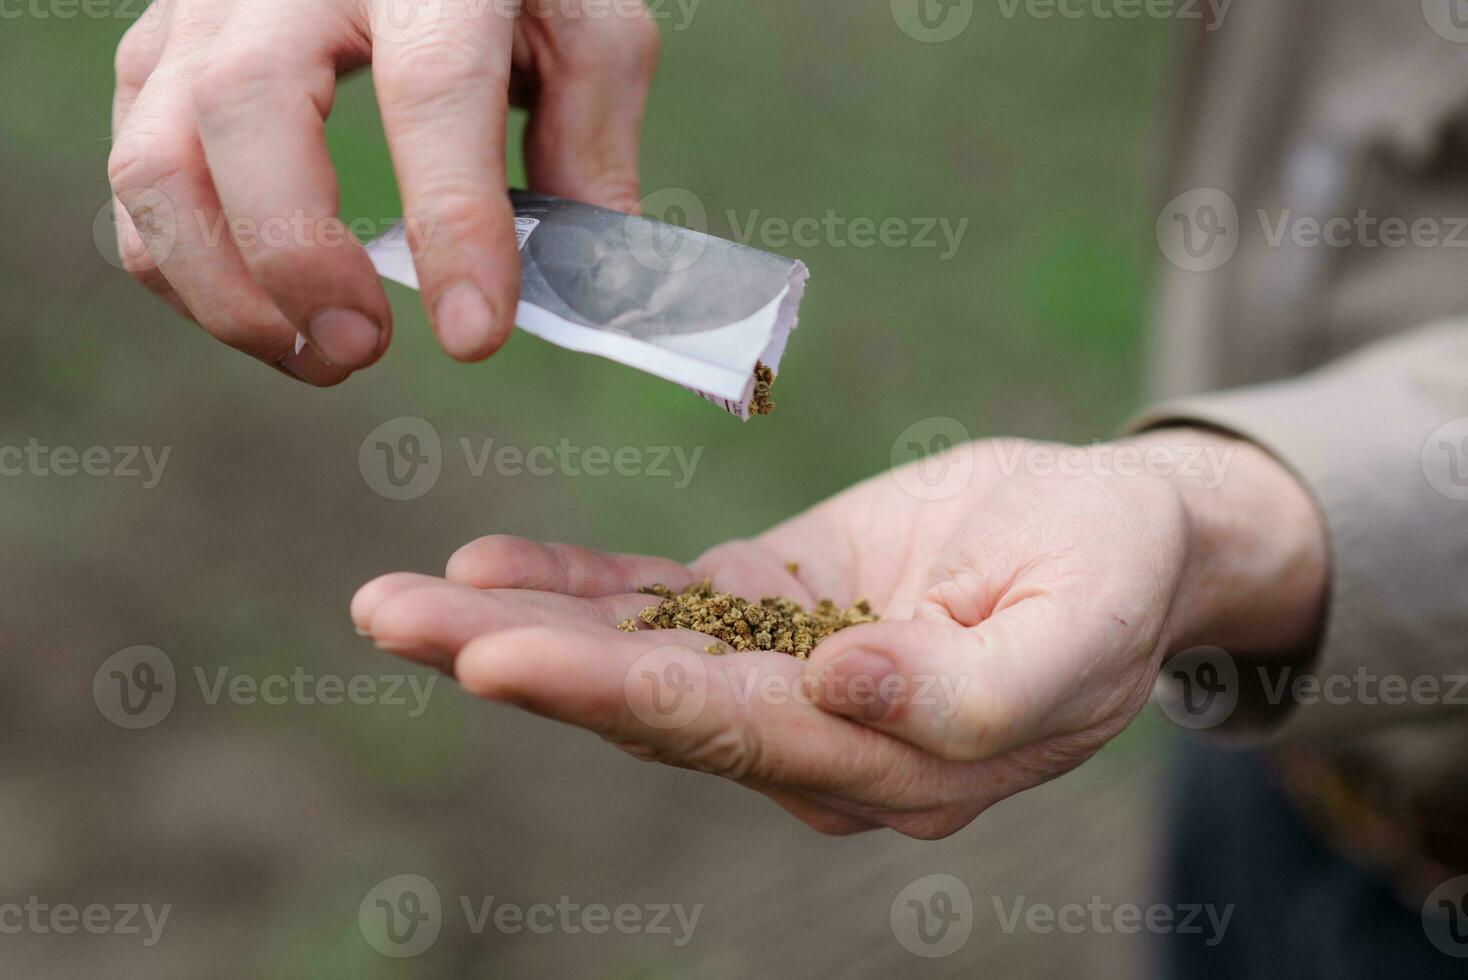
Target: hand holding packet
x,y
671,301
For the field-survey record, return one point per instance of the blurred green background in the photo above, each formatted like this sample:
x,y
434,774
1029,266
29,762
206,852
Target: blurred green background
x,y
264,826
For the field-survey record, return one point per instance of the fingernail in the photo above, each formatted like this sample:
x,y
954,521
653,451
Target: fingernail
x,y
463,321
309,366
345,337
856,685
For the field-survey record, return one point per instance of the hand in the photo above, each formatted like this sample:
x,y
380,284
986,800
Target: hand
x,y
1024,621
227,202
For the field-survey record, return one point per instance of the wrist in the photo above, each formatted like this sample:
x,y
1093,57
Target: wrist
x,y
1257,571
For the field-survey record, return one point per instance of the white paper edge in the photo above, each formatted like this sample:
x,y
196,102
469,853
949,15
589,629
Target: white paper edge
x,y
729,388
685,369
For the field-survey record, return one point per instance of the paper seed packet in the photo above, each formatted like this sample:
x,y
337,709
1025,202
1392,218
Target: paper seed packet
x,y
683,305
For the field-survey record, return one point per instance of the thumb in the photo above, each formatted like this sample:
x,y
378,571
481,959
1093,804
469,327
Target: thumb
x,y
963,694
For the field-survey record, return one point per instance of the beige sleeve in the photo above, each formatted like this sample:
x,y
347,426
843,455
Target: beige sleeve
x,y
1381,440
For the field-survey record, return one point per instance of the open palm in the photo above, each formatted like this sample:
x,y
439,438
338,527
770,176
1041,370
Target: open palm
x,y
1023,622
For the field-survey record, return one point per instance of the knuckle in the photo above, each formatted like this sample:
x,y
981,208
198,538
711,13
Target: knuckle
x,y
136,56
260,342
729,751
242,75
228,78
645,41
289,270
929,824
252,326
450,210
656,755
143,269
430,72
141,161
833,824
619,190
620,44
403,615
265,338
478,561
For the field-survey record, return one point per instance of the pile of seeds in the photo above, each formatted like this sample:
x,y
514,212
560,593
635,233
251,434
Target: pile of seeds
x,y
781,625
759,403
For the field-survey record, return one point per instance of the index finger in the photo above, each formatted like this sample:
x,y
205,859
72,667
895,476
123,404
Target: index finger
x,y
442,81
500,561
262,96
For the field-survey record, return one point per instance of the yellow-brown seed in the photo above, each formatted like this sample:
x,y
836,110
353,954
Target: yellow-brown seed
x,y
764,378
772,623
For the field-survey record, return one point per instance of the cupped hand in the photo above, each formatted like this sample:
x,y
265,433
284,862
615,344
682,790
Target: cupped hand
x,y
1024,619
226,201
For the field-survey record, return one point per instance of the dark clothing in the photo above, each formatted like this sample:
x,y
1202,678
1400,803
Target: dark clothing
x,y
1299,910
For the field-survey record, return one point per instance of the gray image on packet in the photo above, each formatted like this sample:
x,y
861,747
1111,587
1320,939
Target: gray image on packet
x,y
683,305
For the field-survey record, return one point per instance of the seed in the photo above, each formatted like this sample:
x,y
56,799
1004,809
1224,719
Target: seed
x,y
783,625
759,403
